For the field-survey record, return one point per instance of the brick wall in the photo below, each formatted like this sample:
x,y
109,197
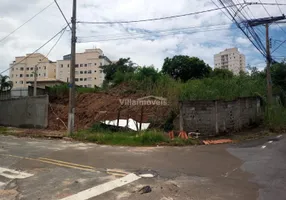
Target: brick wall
x,y
215,117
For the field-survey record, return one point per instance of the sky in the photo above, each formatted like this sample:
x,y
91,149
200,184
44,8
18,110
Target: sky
x,y
146,43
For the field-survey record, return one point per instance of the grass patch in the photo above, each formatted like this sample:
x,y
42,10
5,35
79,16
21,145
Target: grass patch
x,y
275,118
3,130
128,138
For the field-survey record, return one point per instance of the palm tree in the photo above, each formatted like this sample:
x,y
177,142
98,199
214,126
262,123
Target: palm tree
x,y
5,83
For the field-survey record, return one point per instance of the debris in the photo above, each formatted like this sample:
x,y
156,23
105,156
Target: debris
x,y
130,123
220,141
145,189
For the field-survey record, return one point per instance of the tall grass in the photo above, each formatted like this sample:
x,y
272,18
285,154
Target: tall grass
x,y
275,117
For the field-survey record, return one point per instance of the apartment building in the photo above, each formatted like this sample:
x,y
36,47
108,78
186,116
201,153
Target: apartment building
x,y
230,59
22,70
87,72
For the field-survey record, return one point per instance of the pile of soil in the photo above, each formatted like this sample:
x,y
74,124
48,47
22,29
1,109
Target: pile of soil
x,y
96,107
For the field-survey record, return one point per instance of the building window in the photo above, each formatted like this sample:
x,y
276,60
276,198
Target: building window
x,y
89,64
85,79
94,64
16,68
94,71
94,78
89,85
45,67
22,69
81,65
89,78
89,71
85,65
12,76
76,72
101,71
62,65
80,79
21,82
44,74
16,82
68,65
27,68
32,68
31,75
39,74
81,72
27,75
100,64
76,79
21,75
85,72
76,65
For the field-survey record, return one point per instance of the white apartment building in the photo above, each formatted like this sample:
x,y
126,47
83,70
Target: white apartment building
x,y
230,59
22,70
88,72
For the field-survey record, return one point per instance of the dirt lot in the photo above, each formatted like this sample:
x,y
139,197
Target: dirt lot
x,y
95,107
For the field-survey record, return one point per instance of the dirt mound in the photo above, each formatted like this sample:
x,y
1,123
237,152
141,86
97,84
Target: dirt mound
x,y
95,107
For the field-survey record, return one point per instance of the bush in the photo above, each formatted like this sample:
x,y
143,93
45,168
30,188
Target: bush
x,y
275,117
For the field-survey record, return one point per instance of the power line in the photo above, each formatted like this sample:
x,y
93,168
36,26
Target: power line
x,y
279,7
35,50
221,10
153,19
63,14
4,38
161,31
144,36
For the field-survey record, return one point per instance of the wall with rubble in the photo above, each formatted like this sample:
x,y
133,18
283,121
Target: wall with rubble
x,y
28,112
216,117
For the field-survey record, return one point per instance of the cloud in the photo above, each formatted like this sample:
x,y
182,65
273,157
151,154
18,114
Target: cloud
x,y
147,50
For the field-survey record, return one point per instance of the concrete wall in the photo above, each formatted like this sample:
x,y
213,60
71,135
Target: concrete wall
x,y
215,117
30,112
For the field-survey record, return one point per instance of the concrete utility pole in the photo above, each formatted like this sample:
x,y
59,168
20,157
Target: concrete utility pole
x,y
35,80
268,60
72,72
267,21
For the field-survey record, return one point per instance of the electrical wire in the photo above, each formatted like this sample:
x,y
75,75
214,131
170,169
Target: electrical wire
x,y
153,19
244,31
161,31
36,50
4,38
279,7
63,14
144,36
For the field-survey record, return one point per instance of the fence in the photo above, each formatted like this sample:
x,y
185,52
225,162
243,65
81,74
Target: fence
x,y
215,117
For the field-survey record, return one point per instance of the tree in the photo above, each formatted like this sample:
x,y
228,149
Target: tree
x,y
185,68
222,73
123,65
5,83
149,72
278,72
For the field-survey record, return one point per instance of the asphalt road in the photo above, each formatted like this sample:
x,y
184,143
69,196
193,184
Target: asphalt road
x,y
53,169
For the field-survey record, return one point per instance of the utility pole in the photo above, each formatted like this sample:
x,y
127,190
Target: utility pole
x,y
72,72
267,21
268,61
35,80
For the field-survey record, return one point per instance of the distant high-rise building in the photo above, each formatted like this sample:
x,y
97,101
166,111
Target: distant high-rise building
x,y
22,70
87,70
230,59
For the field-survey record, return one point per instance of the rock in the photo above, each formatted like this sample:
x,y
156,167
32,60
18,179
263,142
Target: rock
x,y
145,189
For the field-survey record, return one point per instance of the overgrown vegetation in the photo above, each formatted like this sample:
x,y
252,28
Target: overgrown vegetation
x,y
3,130
63,89
102,134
